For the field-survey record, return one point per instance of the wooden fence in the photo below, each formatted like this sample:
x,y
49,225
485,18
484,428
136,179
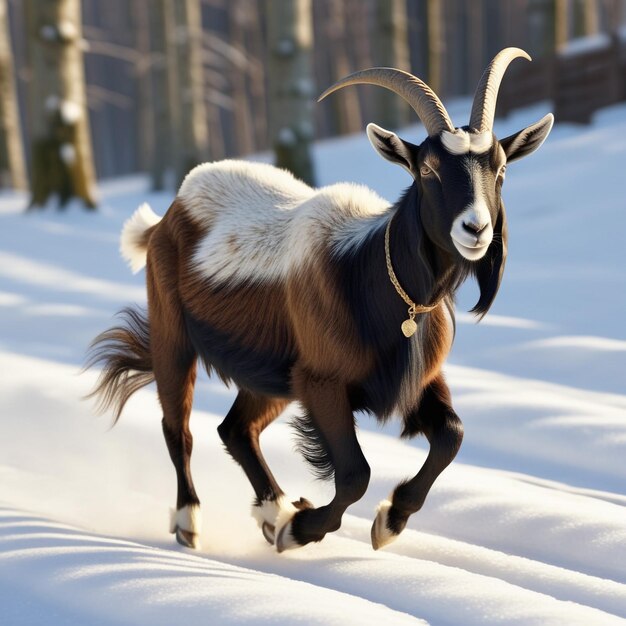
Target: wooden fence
x,y
583,77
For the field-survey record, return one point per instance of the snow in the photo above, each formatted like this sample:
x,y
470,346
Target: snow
x,y
527,526
579,46
70,112
67,153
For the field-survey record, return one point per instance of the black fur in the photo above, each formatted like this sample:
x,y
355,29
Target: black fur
x,y
310,442
264,373
378,310
490,268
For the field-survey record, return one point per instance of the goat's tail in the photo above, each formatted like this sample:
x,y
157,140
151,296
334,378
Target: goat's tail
x,y
124,354
135,235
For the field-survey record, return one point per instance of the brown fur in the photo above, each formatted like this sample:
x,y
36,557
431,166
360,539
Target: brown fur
x,y
437,341
307,321
324,329
306,315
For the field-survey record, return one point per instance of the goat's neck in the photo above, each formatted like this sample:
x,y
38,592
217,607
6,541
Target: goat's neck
x,y
423,271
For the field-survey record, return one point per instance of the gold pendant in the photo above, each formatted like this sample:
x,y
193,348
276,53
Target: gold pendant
x,y
409,327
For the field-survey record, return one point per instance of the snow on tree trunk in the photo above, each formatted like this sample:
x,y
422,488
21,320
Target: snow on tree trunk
x,y
62,161
12,166
291,87
190,142
391,49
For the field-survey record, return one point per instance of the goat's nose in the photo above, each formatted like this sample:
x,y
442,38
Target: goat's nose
x,y
473,228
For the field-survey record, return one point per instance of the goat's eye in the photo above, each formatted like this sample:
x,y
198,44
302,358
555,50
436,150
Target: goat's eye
x,y
502,172
425,170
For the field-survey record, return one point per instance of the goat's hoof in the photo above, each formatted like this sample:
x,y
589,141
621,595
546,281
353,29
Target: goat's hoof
x,y
381,534
285,539
268,532
187,538
186,523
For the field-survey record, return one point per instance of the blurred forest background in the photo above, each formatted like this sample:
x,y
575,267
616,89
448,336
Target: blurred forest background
x,y
104,88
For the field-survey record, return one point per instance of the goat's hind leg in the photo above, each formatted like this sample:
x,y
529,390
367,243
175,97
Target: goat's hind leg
x,y
175,387
240,432
435,418
174,366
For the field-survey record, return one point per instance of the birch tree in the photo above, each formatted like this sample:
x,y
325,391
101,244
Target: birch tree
x,y
291,87
391,49
12,166
62,161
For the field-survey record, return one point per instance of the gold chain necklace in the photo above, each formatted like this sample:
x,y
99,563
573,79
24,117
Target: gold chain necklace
x,y
408,326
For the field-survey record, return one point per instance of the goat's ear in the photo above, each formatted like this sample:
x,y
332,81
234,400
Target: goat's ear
x,y
392,148
490,268
527,140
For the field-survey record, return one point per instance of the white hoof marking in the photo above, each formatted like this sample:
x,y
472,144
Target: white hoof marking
x,y
187,539
271,511
284,538
268,533
188,518
381,535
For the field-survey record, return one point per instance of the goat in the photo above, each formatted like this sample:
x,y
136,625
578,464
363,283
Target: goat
x,y
328,296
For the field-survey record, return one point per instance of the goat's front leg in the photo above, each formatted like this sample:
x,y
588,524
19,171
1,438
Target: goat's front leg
x,y
331,440
240,431
435,418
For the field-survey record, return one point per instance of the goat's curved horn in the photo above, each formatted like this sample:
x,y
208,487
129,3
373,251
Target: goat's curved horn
x,y
416,92
484,106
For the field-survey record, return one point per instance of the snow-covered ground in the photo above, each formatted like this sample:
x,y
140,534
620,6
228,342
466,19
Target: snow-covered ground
x,y
528,526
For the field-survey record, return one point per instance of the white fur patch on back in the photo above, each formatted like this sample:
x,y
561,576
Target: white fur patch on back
x,y
262,224
132,246
462,142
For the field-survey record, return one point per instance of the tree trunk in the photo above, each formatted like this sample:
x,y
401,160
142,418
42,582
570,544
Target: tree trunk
x,y
12,165
346,108
62,160
239,79
590,17
145,100
291,87
435,46
541,28
162,155
561,22
186,85
476,41
391,49
256,73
